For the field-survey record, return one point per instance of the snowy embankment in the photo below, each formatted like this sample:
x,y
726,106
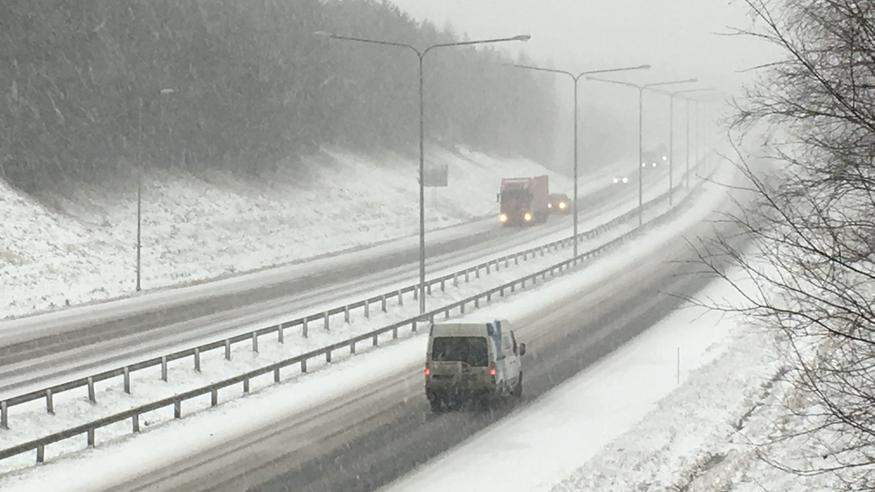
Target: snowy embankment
x,y
80,247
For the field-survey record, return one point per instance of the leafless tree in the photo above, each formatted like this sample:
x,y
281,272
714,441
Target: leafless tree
x,y
809,265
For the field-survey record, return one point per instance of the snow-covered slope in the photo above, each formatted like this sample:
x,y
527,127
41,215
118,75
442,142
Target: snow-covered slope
x,y
80,247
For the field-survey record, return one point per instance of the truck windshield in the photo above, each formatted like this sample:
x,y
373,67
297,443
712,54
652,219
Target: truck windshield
x,y
470,350
510,196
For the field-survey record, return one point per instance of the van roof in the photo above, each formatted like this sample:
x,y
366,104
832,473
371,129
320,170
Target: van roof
x,y
465,328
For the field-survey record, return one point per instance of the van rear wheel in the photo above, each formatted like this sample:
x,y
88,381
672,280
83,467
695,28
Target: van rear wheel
x,y
436,405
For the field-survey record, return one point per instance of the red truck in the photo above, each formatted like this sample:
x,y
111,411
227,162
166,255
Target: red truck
x,y
524,200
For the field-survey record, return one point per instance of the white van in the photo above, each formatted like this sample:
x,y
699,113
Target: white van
x,y
472,361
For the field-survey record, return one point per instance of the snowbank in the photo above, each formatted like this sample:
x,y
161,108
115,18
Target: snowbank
x,y
68,250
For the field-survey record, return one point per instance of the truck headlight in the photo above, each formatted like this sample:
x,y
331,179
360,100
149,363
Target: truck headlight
x,y
527,217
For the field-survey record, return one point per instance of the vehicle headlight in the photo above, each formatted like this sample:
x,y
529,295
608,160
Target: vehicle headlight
x,y
654,164
665,158
527,217
549,205
643,164
562,205
502,218
616,180
625,179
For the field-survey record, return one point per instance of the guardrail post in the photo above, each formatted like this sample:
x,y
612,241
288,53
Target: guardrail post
x,y
413,326
476,302
352,348
127,377
91,396
487,268
40,454
164,368
254,341
489,296
415,293
467,276
443,286
90,437
50,406
303,366
462,308
516,260
497,266
401,298
431,318
501,291
325,322
135,423
383,303
367,309
346,314
197,360
428,288
477,271
328,357
280,336
376,341
4,415
276,374
542,252
304,330
523,284
447,313
506,263
227,349
513,287
394,333
177,409
214,397
246,386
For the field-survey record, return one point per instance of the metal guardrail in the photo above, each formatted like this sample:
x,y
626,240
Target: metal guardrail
x,y
323,317
89,428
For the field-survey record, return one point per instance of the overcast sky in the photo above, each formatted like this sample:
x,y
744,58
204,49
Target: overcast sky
x,y
680,38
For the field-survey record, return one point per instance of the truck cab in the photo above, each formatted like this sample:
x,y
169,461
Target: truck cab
x,y
475,361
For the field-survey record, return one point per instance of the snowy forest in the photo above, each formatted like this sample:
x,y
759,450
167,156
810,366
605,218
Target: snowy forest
x,y
96,87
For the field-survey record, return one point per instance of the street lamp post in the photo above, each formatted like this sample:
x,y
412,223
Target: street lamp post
x,y
421,53
641,88
576,78
672,96
162,92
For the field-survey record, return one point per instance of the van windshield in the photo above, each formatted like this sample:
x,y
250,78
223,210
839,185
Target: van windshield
x,y
470,350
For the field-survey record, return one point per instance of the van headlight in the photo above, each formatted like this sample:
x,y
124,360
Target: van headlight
x,y
562,205
549,205
527,217
502,218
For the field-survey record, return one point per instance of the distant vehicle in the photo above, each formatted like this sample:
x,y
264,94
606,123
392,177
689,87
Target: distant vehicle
x,y
559,203
524,200
472,362
655,158
621,179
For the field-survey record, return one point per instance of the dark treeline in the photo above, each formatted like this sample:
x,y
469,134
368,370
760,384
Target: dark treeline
x,y
97,86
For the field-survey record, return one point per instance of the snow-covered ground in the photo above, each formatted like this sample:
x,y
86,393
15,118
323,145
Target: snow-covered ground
x,y
30,421
126,455
78,248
